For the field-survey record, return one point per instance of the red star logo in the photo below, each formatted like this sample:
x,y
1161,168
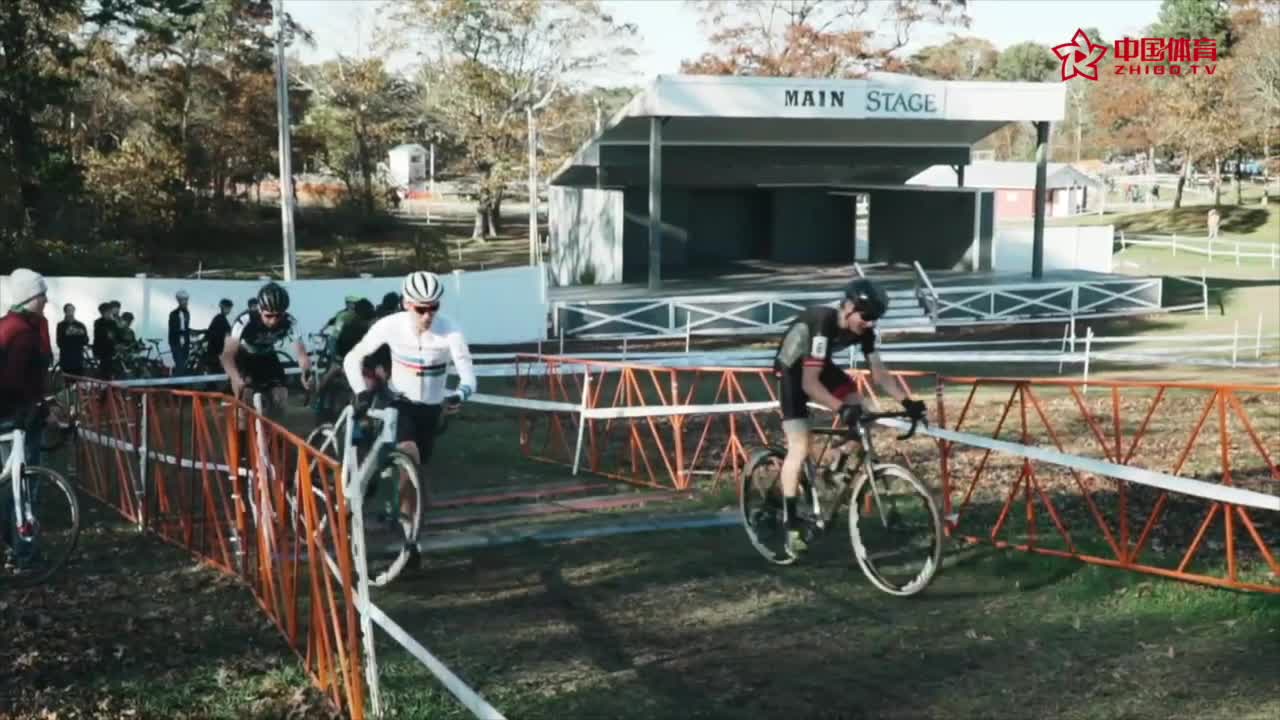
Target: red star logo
x,y
1080,56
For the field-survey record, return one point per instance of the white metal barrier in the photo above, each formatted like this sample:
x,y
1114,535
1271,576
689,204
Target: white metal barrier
x,y
1209,247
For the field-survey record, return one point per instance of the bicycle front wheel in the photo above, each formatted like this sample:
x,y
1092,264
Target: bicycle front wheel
x,y
40,536
324,441
391,543
895,529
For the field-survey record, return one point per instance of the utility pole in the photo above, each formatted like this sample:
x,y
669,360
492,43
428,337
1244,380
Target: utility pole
x,y
286,165
533,188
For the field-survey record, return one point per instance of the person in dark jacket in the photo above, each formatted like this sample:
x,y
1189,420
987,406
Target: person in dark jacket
x,y
180,333
216,336
72,338
105,331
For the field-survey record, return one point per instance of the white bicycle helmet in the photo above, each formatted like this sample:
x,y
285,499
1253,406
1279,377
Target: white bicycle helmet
x,y
422,287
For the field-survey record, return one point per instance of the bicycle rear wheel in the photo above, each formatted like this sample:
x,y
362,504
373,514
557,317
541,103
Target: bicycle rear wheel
x,y
895,529
760,505
41,536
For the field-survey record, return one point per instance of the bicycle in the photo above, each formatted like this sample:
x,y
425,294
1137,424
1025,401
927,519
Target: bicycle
x,y
31,528
873,491
377,458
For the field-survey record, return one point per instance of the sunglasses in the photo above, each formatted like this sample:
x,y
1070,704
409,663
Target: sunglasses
x,y
270,315
865,314
424,309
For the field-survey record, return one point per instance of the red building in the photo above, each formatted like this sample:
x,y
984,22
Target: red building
x,y
1067,190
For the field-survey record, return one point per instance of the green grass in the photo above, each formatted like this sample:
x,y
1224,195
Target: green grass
x,y
131,627
1250,222
694,624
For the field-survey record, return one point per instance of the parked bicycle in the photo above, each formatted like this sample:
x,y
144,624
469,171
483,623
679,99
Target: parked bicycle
x,y
39,513
894,524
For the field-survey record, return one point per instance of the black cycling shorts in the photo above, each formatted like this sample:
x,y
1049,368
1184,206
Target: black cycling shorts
x,y
791,389
417,423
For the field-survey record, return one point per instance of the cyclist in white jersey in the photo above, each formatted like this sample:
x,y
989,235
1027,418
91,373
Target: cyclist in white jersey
x,y
422,344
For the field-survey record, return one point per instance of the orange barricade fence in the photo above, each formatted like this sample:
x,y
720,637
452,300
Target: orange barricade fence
x,y
1207,513
175,462
655,426
1105,473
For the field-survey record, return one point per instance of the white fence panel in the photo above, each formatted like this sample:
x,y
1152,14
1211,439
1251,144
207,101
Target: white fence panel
x,y
1065,248
501,306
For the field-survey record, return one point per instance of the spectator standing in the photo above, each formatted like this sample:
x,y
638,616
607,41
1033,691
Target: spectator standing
x,y
72,338
216,336
180,333
105,333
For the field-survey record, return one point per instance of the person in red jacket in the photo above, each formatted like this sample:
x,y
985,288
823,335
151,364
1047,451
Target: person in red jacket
x,y
24,362
25,350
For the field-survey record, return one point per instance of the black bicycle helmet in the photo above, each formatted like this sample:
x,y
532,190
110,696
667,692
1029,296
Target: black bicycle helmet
x,y
868,298
273,299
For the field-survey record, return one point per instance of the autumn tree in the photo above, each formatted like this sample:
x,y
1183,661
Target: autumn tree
x,y
1257,79
38,46
361,110
214,86
813,38
960,58
490,63
1026,62
1196,19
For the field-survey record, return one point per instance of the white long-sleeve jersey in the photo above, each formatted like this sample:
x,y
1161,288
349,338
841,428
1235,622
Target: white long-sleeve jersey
x,y
419,362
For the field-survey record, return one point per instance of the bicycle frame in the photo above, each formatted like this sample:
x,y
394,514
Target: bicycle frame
x,y
867,460
363,471
12,472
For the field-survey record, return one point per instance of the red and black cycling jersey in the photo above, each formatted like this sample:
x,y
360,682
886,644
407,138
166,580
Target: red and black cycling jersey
x,y
814,336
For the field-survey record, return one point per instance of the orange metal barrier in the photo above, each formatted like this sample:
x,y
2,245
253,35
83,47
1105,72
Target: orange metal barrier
x,y
662,451
1156,426
174,461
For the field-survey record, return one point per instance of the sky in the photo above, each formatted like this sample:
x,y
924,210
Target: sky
x,y
669,31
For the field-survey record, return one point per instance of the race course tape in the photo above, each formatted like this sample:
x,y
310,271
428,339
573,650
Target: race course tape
x,y
1163,481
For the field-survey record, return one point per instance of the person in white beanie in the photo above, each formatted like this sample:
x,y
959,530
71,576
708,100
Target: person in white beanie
x,y
24,361
180,333
24,353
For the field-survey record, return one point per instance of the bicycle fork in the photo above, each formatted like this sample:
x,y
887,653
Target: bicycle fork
x,y
24,521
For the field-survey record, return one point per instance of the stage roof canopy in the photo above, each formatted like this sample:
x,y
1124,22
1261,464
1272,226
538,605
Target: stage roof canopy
x,y
744,131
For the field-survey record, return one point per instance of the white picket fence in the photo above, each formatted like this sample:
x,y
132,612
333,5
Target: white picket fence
x,y
1222,249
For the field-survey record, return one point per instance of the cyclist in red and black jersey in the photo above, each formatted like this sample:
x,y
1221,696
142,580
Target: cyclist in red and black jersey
x,y
806,373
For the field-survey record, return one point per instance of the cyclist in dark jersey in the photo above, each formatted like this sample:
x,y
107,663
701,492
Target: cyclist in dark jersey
x,y
330,389
249,352
807,373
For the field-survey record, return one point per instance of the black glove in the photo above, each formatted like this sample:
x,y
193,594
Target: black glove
x,y
849,414
915,408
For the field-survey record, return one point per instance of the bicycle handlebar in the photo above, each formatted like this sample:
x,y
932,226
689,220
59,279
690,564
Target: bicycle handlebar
x,y
866,419
869,418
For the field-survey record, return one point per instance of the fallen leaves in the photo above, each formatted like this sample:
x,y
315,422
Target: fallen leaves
x,y
79,647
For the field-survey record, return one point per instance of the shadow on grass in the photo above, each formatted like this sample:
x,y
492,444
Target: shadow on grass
x,y
1192,220
695,625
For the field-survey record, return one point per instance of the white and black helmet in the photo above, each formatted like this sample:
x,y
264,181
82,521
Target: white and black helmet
x,y
422,287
